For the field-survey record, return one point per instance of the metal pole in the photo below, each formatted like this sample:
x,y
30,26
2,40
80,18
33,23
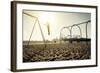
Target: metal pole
x,y
32,32
34,27
41,32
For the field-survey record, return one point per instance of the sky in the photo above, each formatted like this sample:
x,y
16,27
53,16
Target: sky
x,y
55,21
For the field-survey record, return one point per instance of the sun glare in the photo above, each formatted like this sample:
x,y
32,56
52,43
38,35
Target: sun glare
x,y
47,20
44,18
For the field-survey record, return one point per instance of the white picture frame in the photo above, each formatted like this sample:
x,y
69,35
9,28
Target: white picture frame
x,y
17,63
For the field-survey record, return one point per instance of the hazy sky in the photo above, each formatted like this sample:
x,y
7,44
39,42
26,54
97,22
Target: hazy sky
x,y
56,21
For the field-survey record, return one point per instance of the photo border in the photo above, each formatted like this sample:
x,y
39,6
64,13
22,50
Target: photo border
x,y
14,35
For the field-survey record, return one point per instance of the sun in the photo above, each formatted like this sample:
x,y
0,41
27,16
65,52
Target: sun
x,y
44,17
